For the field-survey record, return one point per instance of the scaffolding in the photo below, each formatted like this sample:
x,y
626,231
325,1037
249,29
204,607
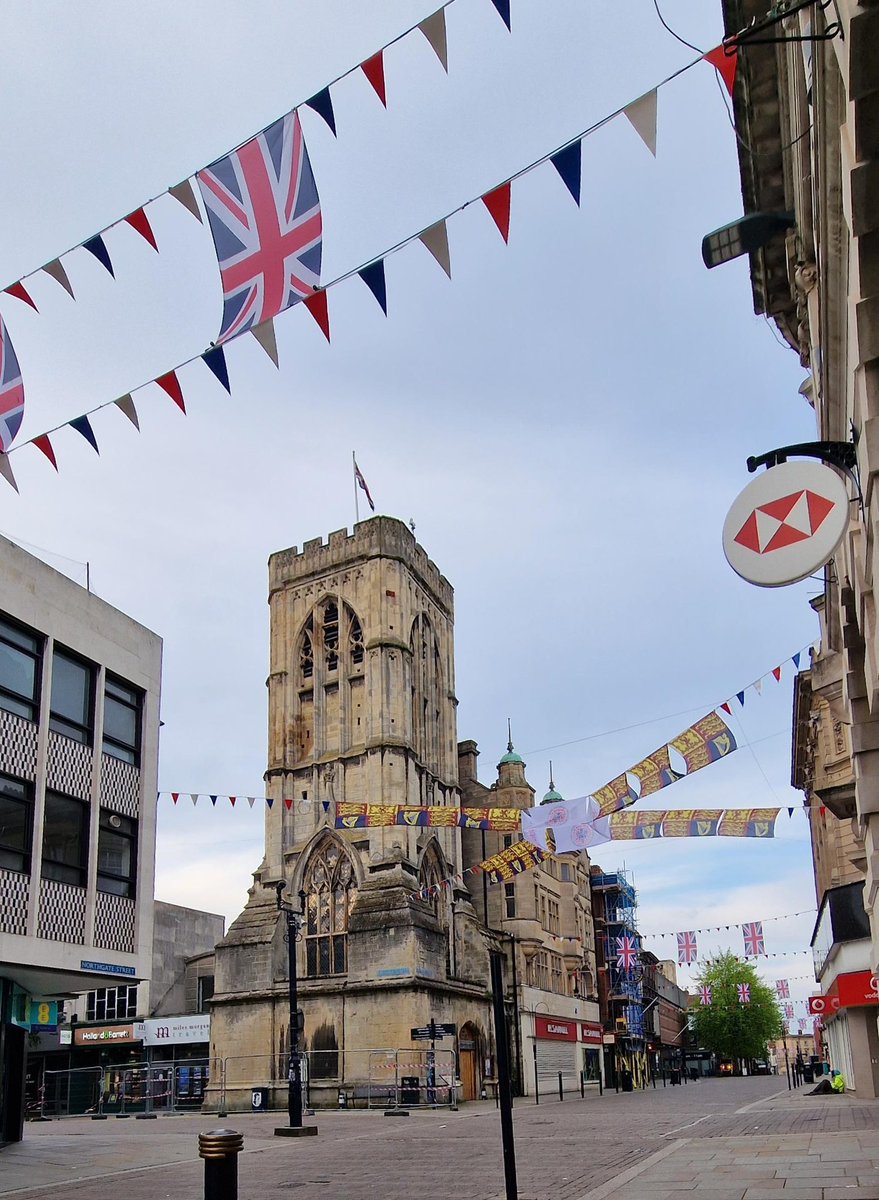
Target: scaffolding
x,y
625,990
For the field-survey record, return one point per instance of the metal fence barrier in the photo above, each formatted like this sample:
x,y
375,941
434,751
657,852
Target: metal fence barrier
x,y
123,1090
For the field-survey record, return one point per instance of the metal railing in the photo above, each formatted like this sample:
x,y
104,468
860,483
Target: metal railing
x,y
132,1088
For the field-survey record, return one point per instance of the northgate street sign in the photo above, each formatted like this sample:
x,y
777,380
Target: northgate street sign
x,y
430,1033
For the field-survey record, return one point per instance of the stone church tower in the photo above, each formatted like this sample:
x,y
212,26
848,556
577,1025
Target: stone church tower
x,y
361,710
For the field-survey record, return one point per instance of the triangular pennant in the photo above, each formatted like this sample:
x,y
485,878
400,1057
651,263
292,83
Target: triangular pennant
x,y
175,796
790,812
265,335
138,220
642,115
214,801
322,104
726,708
796,660
289,803
436,239
96,247
251,800
215,361
270,800
171,384
126,405
374,278
194,798
776,671
568,164
326,805
498,204
232,800
82,425
374,70
758,686
184,193
6,470
725,64
503,7
316,304
19,291
434,29
42,443
740,696
55,269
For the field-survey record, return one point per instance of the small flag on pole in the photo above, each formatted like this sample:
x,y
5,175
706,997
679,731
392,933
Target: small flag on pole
x,y
361,483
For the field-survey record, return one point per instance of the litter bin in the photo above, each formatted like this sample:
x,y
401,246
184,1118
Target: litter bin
x,y
808,1074
675,1076
626,1082
409,1089
259,1099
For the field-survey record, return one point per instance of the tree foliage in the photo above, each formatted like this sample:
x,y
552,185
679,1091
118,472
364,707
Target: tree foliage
x,y
728,1027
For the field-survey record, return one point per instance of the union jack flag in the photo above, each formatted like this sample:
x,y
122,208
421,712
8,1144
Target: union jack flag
x,y
265,218
789,1011
753,936
11,391
744,990
627,953
686,947
783,989
705,995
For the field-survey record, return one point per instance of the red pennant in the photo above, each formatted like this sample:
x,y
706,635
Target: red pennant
x,y
232,801
726,708
725,63
19,291
498,204
42,443
175,796
289,804
374,70
776,671
138,220
170,384
316,304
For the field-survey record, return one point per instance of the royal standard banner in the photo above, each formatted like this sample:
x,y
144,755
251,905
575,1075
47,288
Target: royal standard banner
x,y
705,742
691,822
435,816
748,822
654,772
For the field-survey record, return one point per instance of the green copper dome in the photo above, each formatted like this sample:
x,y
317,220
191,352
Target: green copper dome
x,y
511,756
552,797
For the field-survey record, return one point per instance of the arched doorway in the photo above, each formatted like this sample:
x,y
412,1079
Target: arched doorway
x,y
468,1061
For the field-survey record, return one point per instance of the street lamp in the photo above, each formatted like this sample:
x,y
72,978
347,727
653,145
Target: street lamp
x,y
295,918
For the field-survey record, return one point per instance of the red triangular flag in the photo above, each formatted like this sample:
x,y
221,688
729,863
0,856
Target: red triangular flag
x,y
42,443
19,291
289,803
175,796
726,708
725,64
316,304
498,204
776,671
232,801
171,384
138,220
374,70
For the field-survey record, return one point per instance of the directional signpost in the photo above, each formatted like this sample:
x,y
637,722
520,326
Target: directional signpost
x,y
430,1033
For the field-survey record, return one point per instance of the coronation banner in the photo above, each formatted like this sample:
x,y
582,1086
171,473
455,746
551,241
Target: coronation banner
x,y
436,816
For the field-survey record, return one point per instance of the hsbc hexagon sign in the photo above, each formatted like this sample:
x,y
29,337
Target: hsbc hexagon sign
x,y
786,524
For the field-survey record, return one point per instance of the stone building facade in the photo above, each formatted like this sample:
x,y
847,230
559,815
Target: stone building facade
x,y
362,709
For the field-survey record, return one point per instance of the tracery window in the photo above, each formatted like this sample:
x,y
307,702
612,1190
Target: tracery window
x,y
330,887
331,635
430,877
355,640
306,652
335,631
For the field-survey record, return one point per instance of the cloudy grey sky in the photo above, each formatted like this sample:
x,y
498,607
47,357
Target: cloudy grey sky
x,y
566,421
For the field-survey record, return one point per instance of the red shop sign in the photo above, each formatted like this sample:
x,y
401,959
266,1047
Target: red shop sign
x,y
557,1028
856,988
819,1005
590,1032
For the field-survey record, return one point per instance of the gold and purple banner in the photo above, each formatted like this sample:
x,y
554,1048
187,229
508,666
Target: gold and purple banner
x,y
513,861
748,822
434,816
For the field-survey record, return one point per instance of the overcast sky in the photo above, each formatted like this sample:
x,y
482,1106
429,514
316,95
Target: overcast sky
x,y
566,421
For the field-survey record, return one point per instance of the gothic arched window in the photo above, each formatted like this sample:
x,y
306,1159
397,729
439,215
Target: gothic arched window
x,y
330,887
306,651
331,634
355,640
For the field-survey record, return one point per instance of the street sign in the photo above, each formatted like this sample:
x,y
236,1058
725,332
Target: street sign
x,y
432,1032
786,524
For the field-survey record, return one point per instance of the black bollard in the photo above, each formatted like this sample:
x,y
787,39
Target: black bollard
x,y
561,1087
582,1087
220,1149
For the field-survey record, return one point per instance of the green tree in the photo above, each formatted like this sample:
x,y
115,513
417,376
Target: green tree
x,y
727,1026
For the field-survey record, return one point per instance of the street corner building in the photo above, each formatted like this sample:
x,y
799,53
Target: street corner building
x,y
79,731
395,935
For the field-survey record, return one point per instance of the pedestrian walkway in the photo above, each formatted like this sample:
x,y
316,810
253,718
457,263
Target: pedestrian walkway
x,y
718,1139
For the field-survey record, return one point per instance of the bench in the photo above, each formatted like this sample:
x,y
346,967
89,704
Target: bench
x,y
348,1096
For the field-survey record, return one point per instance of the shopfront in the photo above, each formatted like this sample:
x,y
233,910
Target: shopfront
x,y
848,1010
591,1035
555,1053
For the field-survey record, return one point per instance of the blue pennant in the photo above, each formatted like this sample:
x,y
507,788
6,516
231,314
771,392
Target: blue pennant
x,y
503,7
215,361
96,247
83,425
567,163
374,278
740,696
322,104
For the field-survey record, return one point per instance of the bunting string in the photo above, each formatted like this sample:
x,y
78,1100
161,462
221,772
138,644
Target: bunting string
x,y
731,925
566,160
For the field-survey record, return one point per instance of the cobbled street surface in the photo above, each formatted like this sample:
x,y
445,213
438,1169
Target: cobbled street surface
x,y
718,1139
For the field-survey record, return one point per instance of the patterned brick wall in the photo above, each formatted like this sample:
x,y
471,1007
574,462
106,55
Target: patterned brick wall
x,y
18,745
69,767
120,786
114,922
62,912
14,895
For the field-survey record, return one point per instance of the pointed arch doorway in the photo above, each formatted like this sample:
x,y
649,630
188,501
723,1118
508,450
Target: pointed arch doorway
x,y
468,1061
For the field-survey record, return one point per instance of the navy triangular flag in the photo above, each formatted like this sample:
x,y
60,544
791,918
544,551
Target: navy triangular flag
x,y
796,660
215,361
326,805
322,104
96,247
214,801
790,812
740,696
374,278
503,7
567,163
82,425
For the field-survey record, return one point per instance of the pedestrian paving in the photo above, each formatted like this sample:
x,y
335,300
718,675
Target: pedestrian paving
x,y
718,1139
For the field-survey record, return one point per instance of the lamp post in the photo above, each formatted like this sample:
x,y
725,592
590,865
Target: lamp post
x,y
295,918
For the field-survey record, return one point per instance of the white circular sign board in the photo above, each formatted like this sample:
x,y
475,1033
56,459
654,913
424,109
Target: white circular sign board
x,y
786,524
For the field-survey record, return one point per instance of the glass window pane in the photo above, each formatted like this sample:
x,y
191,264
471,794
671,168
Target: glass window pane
x,y
114,853
339,955
71,689
64,839
120,722
13,824
324,948
311,958
18,671
18,637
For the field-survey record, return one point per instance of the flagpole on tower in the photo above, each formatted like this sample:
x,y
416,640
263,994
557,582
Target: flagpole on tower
x,y
354,479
